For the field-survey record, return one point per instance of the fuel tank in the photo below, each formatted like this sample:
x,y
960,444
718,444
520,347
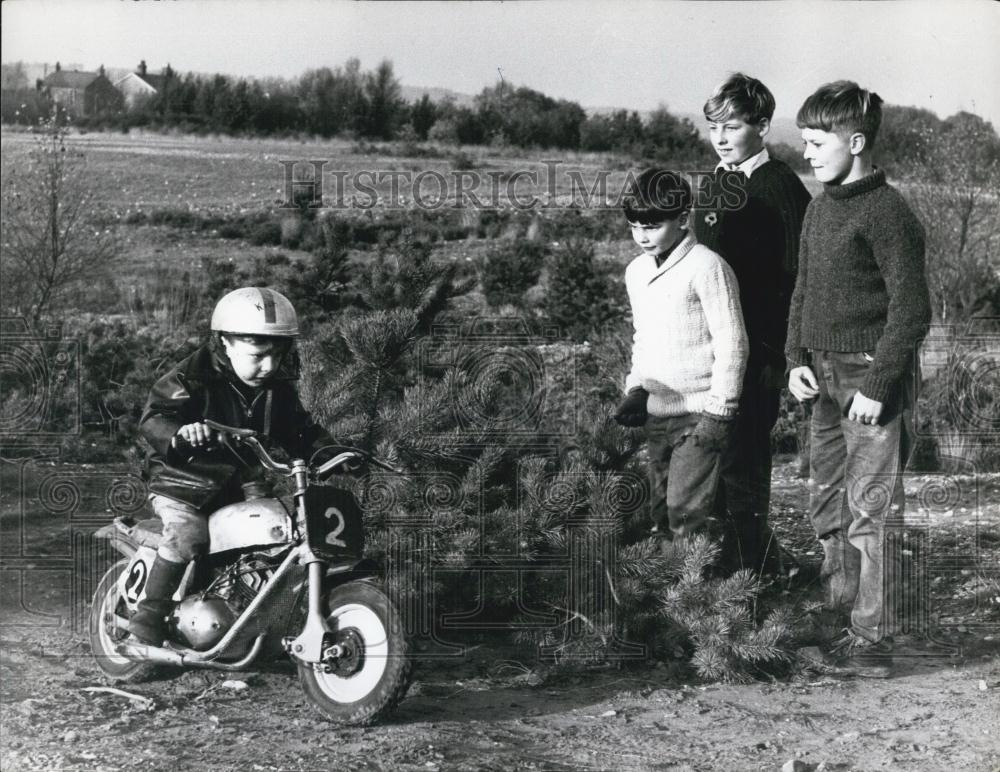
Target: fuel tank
x,y
257,523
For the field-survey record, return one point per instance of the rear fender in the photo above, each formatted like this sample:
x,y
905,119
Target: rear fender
x,y
121,540
127,536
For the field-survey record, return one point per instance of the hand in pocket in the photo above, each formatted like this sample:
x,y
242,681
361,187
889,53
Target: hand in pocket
x,y
713,431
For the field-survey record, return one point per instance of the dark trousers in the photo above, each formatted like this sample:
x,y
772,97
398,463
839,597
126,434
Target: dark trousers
x,y
856,483
745,492
684,473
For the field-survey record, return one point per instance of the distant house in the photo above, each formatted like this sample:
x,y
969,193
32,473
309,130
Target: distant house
x,y
140,84
134,88
82,93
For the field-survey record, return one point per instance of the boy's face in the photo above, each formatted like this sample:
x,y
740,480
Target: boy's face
x,y
829,153
253,360
735,140
658,238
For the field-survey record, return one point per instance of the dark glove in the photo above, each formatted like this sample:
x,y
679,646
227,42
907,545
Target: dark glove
x,y
713,430
633,408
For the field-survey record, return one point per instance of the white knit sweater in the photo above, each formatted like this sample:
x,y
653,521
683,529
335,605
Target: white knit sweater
x,y
690,348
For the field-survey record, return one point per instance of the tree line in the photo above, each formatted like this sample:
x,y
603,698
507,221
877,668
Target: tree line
x,y
349,101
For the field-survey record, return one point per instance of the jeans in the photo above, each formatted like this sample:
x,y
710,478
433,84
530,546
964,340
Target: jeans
x,y
684,473
856,485
746,466
185,529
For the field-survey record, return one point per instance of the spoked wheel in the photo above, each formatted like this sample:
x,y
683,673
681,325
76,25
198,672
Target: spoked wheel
x,y
367,670
105,633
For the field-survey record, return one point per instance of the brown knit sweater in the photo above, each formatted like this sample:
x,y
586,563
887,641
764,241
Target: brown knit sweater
x,y
861,284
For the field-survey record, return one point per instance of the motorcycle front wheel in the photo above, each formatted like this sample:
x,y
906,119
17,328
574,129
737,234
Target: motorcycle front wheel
x,y
373,673
104,634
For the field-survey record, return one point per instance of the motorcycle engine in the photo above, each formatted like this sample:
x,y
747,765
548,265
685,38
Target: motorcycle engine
x,y
204,618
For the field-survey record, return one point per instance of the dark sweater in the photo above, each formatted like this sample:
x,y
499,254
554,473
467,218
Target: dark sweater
x,y
760,241
861,284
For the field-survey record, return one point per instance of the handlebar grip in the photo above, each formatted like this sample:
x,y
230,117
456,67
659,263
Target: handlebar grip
x,y
231,430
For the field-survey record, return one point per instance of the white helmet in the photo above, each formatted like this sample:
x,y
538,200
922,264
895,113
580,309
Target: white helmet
x,y
255,311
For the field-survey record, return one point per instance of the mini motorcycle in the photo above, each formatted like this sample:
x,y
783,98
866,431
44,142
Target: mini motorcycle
x,y
276,579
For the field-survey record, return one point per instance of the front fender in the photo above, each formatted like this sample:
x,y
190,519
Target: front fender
x,y
365,568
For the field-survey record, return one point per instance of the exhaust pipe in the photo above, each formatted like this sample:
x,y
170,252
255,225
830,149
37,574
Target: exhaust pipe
x,y
157,655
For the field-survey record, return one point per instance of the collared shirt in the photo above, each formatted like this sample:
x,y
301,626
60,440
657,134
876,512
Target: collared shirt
x,y
749,165
673,257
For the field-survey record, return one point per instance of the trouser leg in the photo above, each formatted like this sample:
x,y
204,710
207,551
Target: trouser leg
x,y
692,490
660,448
746,475
875,456
828,509
185,535
872,460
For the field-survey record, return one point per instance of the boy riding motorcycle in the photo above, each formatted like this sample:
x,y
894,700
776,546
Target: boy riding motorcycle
x,y
244,377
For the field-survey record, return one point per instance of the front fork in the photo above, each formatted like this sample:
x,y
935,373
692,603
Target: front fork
x,y
312,645
309,644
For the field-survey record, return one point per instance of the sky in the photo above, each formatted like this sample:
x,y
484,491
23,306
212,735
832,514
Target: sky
x,y
600,53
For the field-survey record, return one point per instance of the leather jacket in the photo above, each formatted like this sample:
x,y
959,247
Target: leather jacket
x,y
204,386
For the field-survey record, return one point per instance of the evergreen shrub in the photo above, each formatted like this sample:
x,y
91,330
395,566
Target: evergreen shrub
x,y
510,269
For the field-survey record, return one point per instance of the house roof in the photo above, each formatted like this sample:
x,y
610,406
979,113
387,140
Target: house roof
x,y
70,79
156,81
137,80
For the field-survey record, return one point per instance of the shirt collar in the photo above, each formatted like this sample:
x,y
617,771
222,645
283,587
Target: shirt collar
x,y
675,256
749,165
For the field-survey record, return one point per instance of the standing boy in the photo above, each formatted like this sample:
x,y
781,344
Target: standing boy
x,y
688,354
760,241
859,311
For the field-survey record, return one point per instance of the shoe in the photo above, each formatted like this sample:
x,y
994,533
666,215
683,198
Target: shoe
x,y
739,547
841,571
755,546
859,656
776,561
149,623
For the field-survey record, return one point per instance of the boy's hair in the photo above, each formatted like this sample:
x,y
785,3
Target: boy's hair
x,y
842,105
276,341
742,96
655,196
286,348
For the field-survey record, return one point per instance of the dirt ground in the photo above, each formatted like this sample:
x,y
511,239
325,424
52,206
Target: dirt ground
x,y
492,709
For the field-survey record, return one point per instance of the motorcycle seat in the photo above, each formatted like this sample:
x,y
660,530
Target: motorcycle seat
x,y
153,525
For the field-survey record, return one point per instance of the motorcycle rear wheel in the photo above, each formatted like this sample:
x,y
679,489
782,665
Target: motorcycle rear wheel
x,y
103,636
363,616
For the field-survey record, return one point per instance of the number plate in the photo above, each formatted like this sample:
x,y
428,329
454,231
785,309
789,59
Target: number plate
x,y
334,521
135,581
132,581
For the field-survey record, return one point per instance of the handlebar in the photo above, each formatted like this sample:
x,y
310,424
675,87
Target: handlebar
x,y
250,438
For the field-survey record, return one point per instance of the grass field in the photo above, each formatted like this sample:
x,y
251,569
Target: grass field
x,y
230,174
141,174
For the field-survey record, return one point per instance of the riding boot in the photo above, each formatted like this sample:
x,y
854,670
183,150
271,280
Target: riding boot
x,y
149,623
